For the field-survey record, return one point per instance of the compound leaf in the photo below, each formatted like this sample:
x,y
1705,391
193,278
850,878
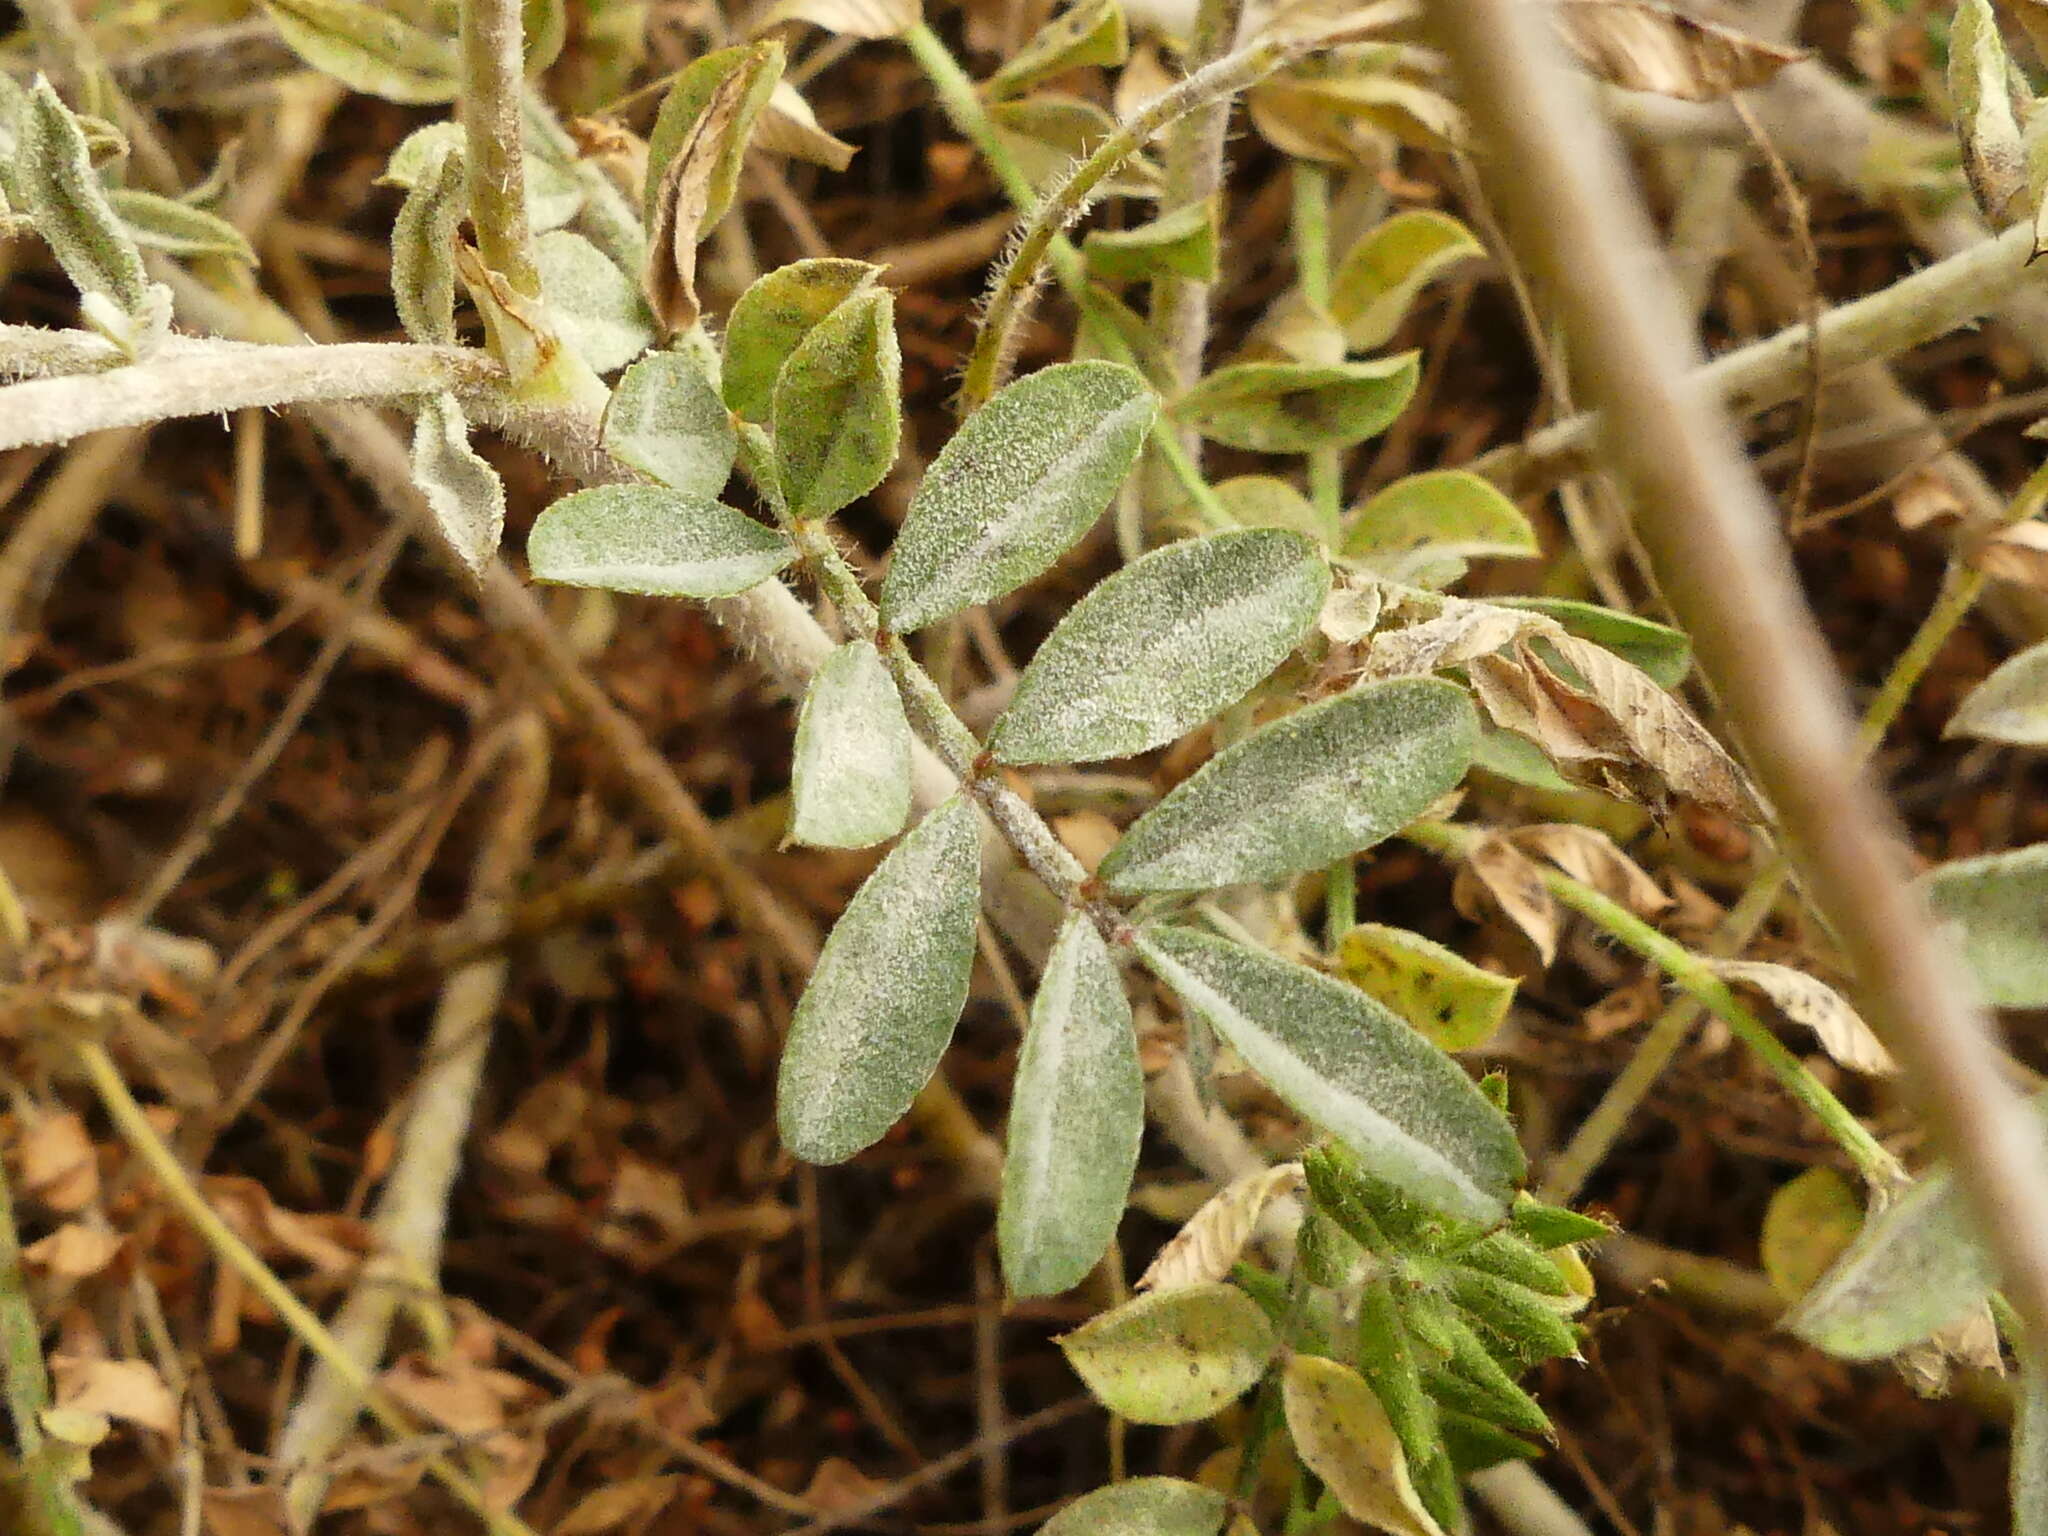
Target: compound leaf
x,y
1077,1114
651,540
1022,479
1350,1067
1326,782
1162,645
887,991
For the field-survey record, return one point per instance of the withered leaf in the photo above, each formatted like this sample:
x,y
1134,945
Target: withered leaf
x,y
1806,1000
1591,858
1205,1249
682,202
1646,47
1513,883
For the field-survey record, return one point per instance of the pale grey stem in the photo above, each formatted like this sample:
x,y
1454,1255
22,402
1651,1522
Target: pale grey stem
x,y
1912,311
1708,527
411,1214
32,352
1194,171
193,382
1524,1503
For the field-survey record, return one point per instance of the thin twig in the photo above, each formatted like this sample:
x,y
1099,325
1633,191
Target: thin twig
x,y
412,1209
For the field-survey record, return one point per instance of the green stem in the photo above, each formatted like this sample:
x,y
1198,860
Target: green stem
x,y
965,109
53,1506
1312,261
493,72
1694,975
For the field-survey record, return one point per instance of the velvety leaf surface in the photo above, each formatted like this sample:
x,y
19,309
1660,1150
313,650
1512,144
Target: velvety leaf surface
x,y
1170,1357
850,778
666,420
772,318
654,541
1299,407
1998,905
836,414
1142,1506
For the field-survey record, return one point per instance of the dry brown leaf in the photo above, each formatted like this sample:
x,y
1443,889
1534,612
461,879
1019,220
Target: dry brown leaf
x,y
1804,1000
1645,47
616,1504
73,1252
127,1390
58,1164
459,1395
1460,633
838,1485
1973,1342
1515,885
1206,1248
1623,708
1591,858
243,1511
681,203
332,1243
1924,498
2018,554
789,127
849,18
1625,1007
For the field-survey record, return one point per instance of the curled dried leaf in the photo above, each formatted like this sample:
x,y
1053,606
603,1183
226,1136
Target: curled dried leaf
x,y
1207,1247
1805,1000
1647,47
1591,858
1512,883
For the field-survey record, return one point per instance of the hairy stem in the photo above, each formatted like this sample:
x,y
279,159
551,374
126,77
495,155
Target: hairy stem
x,y
492,74
1194,173
1311,226
1709,530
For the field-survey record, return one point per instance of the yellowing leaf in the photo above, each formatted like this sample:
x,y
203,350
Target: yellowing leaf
x,y
1804,1000
1090,32
1142,1506
1807,1226
1650,47
1170,1357
1207,1247
848,18
1343,1435
1438,512
1440,992
1379,277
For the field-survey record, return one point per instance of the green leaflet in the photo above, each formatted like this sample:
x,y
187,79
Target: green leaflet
x,y
1343,1435
1162,645
836,414
1177,244
1916,1267
1077,1115
887,991
1299,407
178,229
685,102
423,246
369,49
1661,651
467,498
2011,705
553,196
654,541
1439,512
1553,1226
1266,501
1142,1506
1979,72
850,779
773,317
597,308
1808,1225
1016,486
1379,277
1170,1357
1090,32
666,420
1325,782
1449,999
64,199
1350,1067
1998,904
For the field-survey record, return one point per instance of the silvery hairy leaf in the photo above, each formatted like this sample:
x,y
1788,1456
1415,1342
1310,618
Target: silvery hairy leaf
x,y
1299,407
423,245
597,307
653,541
467,498
850,778
666,420
773,317
1994,903
836,414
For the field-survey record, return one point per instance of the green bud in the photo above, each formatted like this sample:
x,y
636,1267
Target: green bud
x,y
1518,1325
1473,1445
1513,1257
1552,1226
